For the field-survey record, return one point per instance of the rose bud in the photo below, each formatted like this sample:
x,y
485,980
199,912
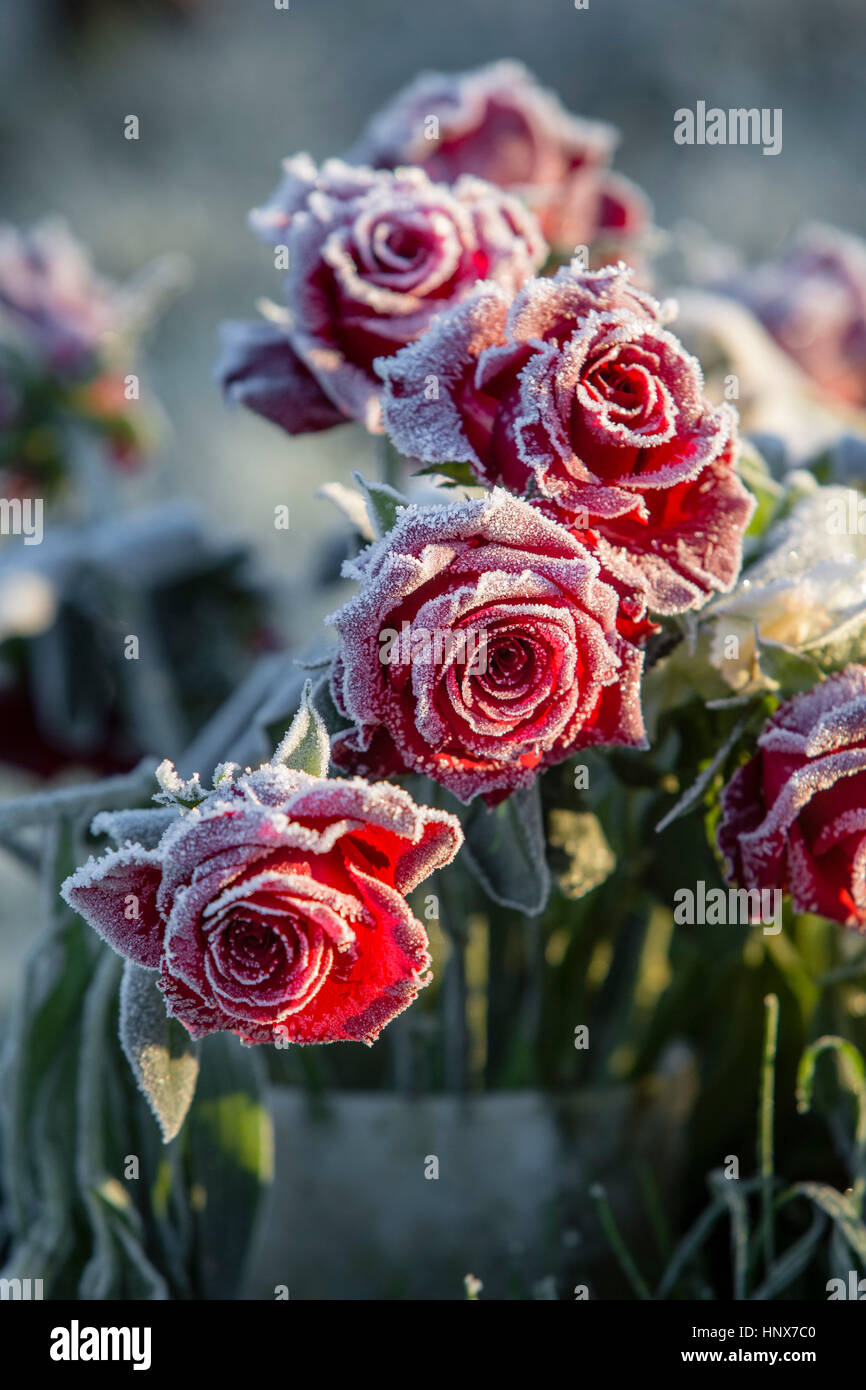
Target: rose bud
x,y
576,390
794,816
499,124
373,257
485,644
275,908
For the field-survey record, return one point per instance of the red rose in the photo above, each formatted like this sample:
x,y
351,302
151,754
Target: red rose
x,y
276,908
576,389
373,257
484,645
794,816
498,124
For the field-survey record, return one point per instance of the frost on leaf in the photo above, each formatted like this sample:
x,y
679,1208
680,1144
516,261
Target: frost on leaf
x,y
163,1057
306,747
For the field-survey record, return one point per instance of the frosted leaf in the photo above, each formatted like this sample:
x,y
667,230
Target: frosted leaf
x,y
383,504
163,1057
505,849
144,827
174,791
306,746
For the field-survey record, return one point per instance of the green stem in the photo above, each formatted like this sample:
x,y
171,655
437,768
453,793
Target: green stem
x,y
765,1124
616,1242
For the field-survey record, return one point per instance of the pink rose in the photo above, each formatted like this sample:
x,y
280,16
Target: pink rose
x,y
485,644
373,258
812,299
794,816
276,908
497,123
52,300
575,389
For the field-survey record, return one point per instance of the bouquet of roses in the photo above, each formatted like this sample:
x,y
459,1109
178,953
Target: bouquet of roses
x,y
586,608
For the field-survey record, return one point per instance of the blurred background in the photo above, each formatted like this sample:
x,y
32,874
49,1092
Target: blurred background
x,y
223,90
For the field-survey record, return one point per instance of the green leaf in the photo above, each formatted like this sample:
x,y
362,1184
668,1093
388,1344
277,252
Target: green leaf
x,y
383,503
796,1258
118,1266
730,1192
840,1211
769,494
452,474
853,1069
229,1137
163,1057
505,850
306,747
697,1235
790,669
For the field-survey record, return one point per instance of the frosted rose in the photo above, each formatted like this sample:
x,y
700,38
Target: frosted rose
x,y
373,258
498,123
276,908
794,816
576,389
812,299
485,644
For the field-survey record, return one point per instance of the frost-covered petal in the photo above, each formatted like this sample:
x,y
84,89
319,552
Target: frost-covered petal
x,y
259,368
795,817
373,257
497,122
507,648
274,908
577,393
116,894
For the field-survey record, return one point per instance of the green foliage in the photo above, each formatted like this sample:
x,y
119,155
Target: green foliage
x,y
93,1203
